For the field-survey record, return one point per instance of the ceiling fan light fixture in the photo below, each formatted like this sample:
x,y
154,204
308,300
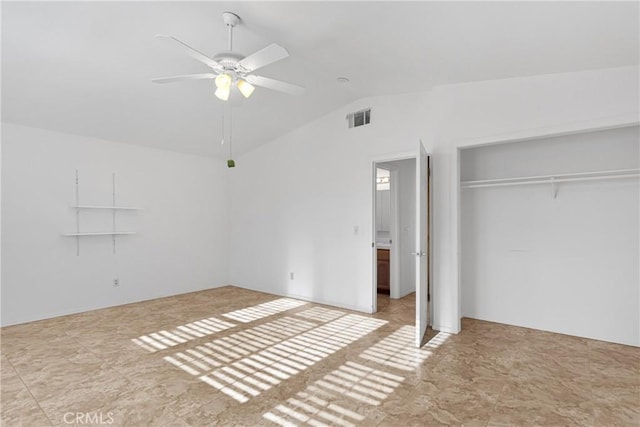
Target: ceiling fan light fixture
x,y
231,69
223,93
245,88
223,81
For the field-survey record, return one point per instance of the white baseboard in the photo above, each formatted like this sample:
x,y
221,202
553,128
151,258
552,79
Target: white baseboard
x,y
366,310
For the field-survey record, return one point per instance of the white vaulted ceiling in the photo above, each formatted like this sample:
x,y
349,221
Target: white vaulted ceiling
x,y
85,67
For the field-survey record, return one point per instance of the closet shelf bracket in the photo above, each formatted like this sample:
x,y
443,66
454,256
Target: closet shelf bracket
x,y
554,188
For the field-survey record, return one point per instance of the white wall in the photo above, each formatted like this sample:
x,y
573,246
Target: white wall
x,y
296,201
567,265
182,231
290,212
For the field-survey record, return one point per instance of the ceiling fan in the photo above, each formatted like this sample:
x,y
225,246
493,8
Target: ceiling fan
x,y
231,69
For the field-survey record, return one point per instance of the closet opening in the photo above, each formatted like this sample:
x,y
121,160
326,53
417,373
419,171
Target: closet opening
x,y
550,225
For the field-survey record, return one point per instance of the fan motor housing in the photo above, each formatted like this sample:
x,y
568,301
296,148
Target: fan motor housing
x,y
229,60
230,19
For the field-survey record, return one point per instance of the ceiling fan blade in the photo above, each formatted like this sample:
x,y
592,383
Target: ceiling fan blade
x,y
196,54
277,85
184,78
266,56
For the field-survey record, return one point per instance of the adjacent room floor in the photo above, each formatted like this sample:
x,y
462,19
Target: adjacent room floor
x,y
230,356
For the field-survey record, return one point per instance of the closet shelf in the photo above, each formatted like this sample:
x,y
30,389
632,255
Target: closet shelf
x,y
553,179
98,233
127,208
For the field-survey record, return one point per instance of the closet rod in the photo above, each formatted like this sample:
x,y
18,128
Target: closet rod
x,y
543,179
551,181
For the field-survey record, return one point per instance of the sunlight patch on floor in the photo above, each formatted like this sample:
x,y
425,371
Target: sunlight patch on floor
x,y
249,314
321,314
224,351
245,374
327,401
288,358
398,350
350,384
438,340
162,340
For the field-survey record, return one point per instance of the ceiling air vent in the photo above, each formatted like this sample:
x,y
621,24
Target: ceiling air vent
x,y
359,118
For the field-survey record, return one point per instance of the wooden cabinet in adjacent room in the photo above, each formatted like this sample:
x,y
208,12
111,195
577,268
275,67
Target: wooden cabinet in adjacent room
x,y
383,271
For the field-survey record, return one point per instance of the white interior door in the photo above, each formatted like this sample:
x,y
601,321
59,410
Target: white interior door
x,y
422,242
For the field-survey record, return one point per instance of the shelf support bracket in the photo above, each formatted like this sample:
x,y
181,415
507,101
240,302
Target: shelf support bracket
x,y
77,215
113,183
554,188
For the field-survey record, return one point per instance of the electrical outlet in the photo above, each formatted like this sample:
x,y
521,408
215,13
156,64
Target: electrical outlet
x,y
116,282
291,276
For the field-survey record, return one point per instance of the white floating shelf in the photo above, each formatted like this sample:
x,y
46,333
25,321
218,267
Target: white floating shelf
x,y
98,233
127,208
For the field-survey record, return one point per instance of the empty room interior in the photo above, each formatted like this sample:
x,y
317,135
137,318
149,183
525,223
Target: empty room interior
x,y
320,213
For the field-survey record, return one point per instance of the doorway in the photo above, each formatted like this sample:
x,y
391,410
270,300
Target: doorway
x,y
394,214
386,214
402,238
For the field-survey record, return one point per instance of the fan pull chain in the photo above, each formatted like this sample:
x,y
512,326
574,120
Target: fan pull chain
x,y
231,163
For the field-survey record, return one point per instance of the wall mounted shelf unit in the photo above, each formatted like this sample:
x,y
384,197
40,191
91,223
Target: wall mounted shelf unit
x,y
553,179
113,208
